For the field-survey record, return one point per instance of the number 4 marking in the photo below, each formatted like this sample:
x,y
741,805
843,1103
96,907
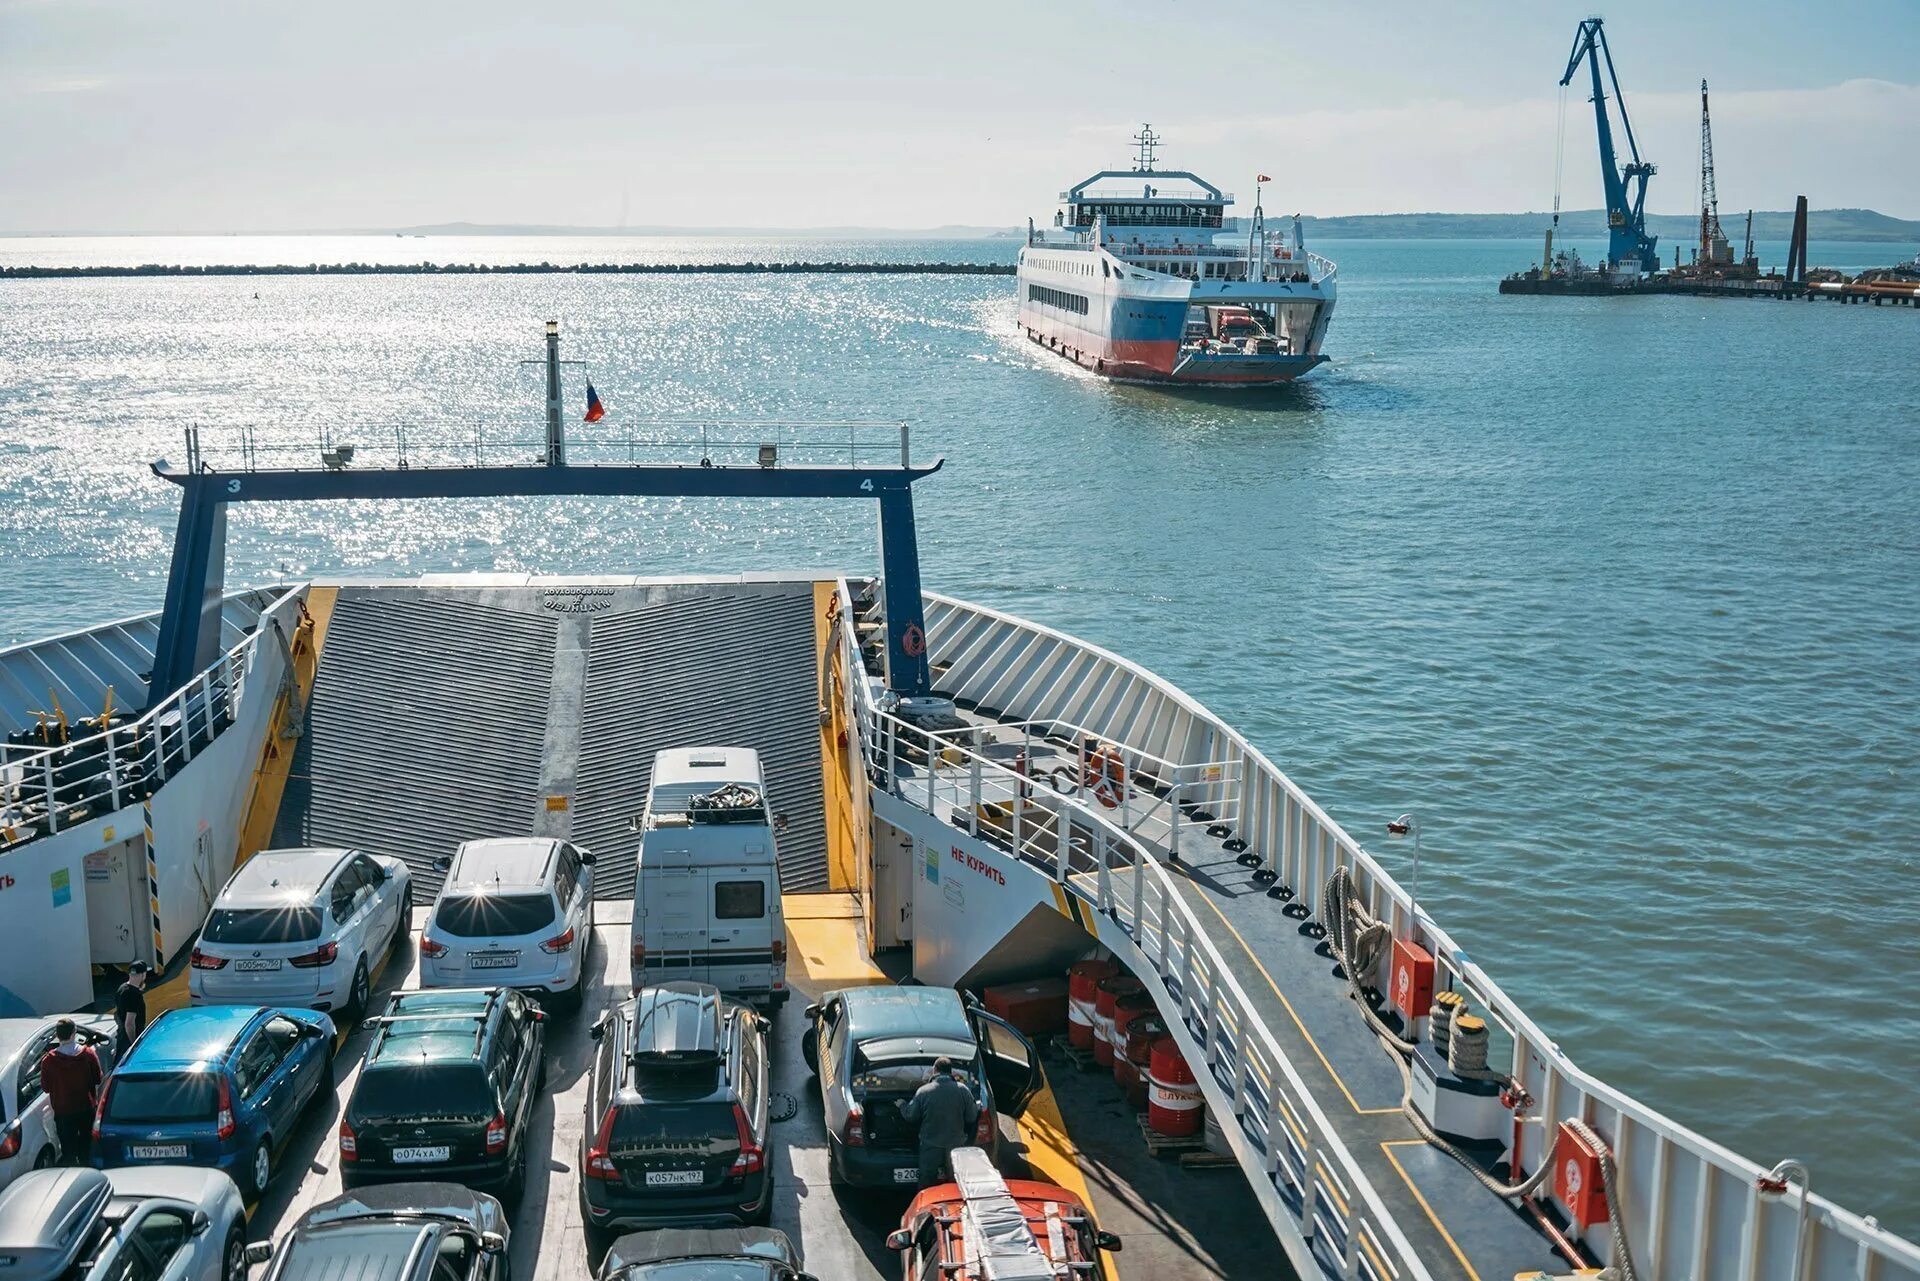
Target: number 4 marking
x,y
867,485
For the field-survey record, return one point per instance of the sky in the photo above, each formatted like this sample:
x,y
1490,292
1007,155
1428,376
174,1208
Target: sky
x,y
239,115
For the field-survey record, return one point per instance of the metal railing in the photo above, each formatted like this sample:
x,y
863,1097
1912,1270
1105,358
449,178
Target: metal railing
x,y
956,781
660,442
45,789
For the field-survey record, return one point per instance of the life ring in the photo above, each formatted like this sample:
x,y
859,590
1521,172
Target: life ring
x,y
1110,770
913,641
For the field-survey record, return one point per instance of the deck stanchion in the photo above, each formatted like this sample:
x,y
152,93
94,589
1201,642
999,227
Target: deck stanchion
x,y
1139,891
46,781
1310,1192
1102,849
1019,821
1062,859
1173,821
933,766
113,771
1213,1019
973,796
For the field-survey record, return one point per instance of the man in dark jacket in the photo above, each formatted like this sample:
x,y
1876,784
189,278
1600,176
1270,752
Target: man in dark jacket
x,y
70,1078
945,1110
130,1010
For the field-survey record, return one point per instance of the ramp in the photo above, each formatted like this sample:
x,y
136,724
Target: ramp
x,y
728,667
425,729
446,712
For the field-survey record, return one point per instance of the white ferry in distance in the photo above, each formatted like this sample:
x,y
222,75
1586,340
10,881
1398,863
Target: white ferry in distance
x,y
1143,277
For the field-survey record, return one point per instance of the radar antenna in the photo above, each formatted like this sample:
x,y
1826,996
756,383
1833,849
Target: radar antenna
x,y
1146,140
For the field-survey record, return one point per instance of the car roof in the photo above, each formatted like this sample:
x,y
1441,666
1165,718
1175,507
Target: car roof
x,y
15,1033
181,1182
676,1018
874,1012
44,1217
660,1245
276,876
190,1035
501,862
705,766
434,1026
417,1200
352,1250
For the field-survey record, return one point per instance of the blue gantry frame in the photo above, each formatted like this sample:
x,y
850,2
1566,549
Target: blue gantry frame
x,y
196,582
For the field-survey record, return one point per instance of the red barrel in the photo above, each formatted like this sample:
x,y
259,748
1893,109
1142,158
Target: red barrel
x,y
1106,997
1083,982
1173,1097
1126,1011
1141,1034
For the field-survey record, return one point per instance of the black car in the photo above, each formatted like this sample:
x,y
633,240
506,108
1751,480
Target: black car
x,y
400,1232
676,1126
447,1090
706,1254
872,1047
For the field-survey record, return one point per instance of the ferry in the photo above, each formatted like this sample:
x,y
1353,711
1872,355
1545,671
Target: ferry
x,y
1142,277
963,799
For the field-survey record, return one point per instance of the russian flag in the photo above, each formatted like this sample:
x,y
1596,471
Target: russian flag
x,y
595,410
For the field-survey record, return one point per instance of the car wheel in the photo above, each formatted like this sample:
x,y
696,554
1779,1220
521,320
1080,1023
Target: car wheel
x,y
358,996
403,923
260,1173
810,1049
233,1258
45,1159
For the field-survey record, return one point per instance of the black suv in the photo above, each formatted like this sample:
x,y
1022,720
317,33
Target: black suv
x,y
676,1129
447,1090
401,1232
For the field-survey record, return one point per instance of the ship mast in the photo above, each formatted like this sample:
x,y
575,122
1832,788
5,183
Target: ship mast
x,y
1146,141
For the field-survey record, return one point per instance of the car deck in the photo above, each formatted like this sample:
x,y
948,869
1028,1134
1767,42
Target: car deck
x,y
1078,1133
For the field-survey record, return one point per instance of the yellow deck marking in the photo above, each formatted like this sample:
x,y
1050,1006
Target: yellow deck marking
x,y
1050,1150
1388,1147
824,943
843,847
276,753
1295,1017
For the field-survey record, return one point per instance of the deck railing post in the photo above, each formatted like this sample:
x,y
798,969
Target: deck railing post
x,y
113,770
1139,891
1062,848
46,781
1102,853
1310,1191
933,765
1019,822
1350,1258
159,751
1173,821
1276,1126
1213,1019
973,794
1186,966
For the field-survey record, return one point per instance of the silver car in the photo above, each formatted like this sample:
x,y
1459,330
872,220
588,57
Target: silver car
x,y
27,1139
164,1222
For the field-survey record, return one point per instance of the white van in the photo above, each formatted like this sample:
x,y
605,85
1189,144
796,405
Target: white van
x,y
706,900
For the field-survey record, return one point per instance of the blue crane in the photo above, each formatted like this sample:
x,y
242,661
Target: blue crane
x,y
1629,247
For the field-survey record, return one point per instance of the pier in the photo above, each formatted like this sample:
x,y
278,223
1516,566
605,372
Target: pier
x,y
515,269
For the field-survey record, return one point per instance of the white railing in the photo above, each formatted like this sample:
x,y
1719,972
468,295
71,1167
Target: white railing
x,y
1693,1208
1315,1178
44,789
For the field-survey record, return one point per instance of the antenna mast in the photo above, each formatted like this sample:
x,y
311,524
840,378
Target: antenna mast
x,y
1146,140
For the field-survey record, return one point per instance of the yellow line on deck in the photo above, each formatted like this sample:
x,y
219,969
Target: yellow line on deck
x,y
1050,1150
1387,1147
1295,1017
276,752
823,940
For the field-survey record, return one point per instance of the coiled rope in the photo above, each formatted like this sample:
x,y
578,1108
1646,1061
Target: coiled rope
x,y
1357,941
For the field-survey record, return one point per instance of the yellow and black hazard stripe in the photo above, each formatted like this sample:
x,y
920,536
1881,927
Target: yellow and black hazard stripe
x,y
1070,906
153,884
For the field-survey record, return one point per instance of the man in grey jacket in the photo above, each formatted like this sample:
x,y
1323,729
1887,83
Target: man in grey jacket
x,y
945,1110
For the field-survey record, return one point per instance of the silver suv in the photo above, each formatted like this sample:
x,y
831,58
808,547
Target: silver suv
x,y
514,912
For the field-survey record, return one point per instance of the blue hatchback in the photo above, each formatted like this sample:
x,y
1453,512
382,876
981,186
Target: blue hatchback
x,y
216,1085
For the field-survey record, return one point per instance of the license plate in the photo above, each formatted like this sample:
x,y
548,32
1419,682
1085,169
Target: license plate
x,y
674,1178
417,1156
493,960
157,1151
257,966
910,1174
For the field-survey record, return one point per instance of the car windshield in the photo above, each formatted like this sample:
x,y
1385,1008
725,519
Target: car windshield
x,y
705,1270
262,925
645,1124
493,915
398,1090
188,1096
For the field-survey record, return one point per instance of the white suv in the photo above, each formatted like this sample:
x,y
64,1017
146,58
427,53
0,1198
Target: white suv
x,y
515,912
303,928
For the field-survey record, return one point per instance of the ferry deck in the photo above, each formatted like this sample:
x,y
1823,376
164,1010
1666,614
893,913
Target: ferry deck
x,y
971,797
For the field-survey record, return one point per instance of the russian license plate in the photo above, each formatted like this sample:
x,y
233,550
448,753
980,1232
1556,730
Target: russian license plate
x,y
907,1174
493,960
419,1156
157,1151
674,1178
256,965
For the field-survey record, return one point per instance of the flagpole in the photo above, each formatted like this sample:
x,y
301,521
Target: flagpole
x,y
556,439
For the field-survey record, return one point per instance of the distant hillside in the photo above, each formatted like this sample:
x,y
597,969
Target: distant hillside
x,y
1822,224
790,233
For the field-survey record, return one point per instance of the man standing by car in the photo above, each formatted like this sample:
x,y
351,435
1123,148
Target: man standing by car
x,y
70,1078
130,1010
945,1110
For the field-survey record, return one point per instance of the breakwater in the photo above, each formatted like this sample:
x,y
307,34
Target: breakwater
x,y
517,269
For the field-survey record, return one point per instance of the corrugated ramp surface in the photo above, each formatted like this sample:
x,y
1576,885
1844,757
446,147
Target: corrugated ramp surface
x,y
734,668
425,729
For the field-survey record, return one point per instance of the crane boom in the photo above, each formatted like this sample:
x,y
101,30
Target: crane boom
x,y
1714,250
1629,247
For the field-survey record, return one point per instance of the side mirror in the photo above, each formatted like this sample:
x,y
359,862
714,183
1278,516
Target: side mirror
x,y
1107,1241
441,862
372,1024
899,1239
311,1030
588,858
200,1223
812,1012
599,1028
493,1243
259,1252
380,876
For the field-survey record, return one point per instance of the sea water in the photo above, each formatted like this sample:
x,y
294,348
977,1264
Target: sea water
x,y
1621,596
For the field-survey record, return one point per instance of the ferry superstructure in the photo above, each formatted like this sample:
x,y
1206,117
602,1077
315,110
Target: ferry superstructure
x,y
966,798
1143,277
